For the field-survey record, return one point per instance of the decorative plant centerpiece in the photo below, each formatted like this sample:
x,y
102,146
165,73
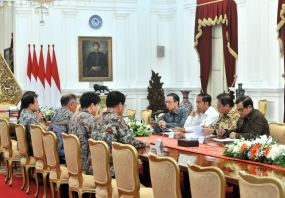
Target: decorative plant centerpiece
x,y
262,149
137,128
49,113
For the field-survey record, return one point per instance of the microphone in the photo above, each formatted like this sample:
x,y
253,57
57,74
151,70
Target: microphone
x,y
44,118
161,111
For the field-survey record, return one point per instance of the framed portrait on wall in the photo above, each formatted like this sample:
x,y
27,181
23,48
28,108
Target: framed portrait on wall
x,y
95,59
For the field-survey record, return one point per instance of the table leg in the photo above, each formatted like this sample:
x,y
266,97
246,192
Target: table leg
x,y
146,173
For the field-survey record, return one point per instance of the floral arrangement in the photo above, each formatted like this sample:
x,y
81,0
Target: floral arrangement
x,y
137,128
49,113
263,149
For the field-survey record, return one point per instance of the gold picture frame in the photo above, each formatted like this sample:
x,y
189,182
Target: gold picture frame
x,y
95,59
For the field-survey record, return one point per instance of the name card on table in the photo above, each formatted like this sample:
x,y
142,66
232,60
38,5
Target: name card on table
x,y
155,149
171,135
202,140
158,143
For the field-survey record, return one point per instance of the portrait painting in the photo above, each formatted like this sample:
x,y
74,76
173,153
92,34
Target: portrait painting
x,y
95,59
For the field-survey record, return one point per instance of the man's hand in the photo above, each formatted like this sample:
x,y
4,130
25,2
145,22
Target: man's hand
x,y
162,123
178,129
207,131
232,135
40,116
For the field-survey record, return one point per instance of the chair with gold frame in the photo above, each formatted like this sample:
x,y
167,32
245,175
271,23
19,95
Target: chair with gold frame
x,y
277,131
78,181
125,159
27,161
131,113
164,186
104,109
100,157
78,108
11,154
98,111
259,187
207,181
145,116
58,172
40,156
262,106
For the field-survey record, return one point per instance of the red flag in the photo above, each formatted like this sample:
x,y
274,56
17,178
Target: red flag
x,y
29,70
55,82
41,79
48,81
34,72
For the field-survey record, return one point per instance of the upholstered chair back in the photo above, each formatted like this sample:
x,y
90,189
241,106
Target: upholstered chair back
x,y
206,181
131,113
5,138
164,185
72,156
38,148
100,157
125,159
258,187
22,142
262,106
277,131
146,115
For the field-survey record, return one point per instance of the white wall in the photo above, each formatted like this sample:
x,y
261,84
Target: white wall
x,y
137,27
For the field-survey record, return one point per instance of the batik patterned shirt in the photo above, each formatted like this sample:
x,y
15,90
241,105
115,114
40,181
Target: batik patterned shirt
x,y
228,121
252,125
110,128
60,124
81,125
26,118
175,119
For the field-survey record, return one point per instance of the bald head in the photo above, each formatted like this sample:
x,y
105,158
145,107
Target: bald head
x,y
66,98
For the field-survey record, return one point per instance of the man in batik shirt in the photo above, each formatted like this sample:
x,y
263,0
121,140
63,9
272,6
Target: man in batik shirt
x,y
228,116
81,124
27,115
60,121
111,127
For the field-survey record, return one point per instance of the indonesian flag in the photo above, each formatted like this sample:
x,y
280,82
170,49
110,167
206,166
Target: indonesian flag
x,y
41,80
34,72
29,70
48,80
55,82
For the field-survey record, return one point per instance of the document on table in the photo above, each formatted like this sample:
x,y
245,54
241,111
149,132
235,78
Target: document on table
x,y
223,140
198,131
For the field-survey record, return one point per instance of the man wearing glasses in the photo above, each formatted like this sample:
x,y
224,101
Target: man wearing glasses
x,y
176,115
251,122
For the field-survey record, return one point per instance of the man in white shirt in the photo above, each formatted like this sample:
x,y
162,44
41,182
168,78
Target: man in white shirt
x,y
205,115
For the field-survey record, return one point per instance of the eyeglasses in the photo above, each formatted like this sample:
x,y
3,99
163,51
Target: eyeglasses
x,y
240,110
168,102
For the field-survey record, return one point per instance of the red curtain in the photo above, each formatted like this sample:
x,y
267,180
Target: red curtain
x,y
281,36
209,13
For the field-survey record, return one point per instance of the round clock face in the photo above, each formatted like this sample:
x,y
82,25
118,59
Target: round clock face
x,y
95,22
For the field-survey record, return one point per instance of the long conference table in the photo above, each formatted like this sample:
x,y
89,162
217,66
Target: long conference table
x,y
229,166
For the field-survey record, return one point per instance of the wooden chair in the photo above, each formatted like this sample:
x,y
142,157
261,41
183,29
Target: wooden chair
x,y
100,157
11,154
206,181
98,112
78,108
145,116
258,187
58,173
78,181
164,185
125,160
277,131
262,106
40,156
131,113
104,109
27,161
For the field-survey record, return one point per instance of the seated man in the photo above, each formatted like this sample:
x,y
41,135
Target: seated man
x,y
81,123
27,115
228,116
205,115
111,127
251,123
60,121
176,115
